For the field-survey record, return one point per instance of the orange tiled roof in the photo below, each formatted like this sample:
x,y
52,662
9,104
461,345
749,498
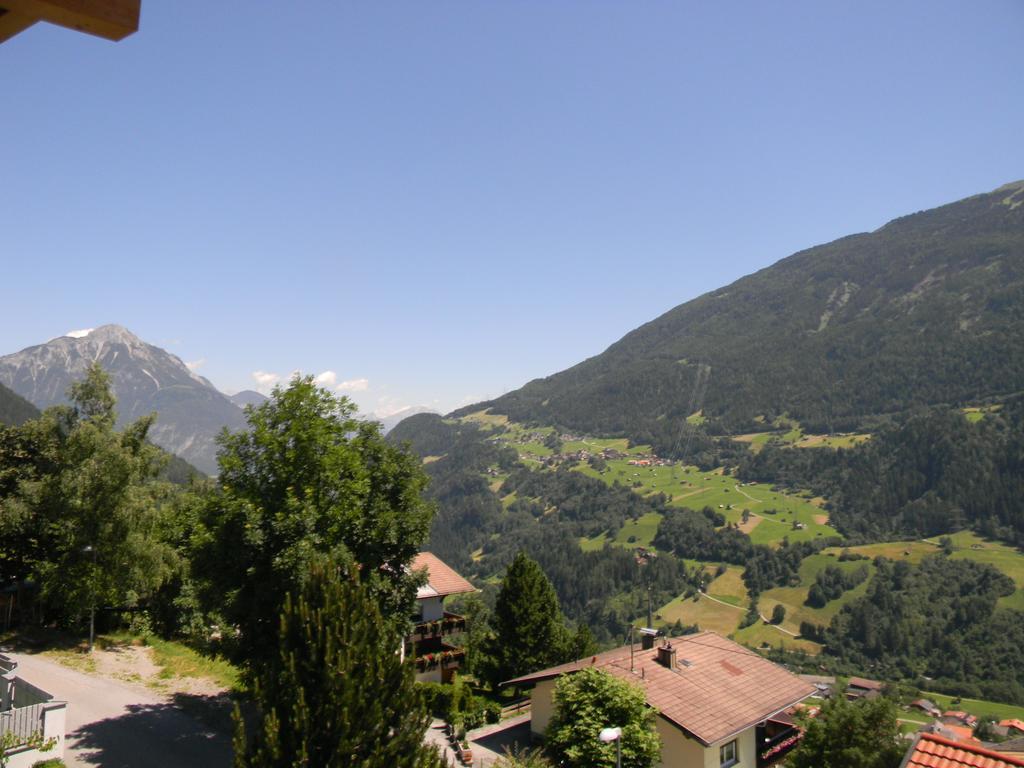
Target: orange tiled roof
x,y
931,751
717,688
959,733
863,682
1013,723
441,579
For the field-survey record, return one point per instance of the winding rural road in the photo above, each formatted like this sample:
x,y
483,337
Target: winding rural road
x,y
117,725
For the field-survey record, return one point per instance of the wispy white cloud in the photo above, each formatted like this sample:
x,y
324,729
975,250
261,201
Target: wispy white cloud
x,y
80,334
353,385
326,379
195,365
265,381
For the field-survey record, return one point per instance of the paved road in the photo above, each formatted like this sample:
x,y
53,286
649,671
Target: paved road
x,y
116,725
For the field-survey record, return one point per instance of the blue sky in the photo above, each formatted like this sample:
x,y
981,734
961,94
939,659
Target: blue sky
x,y
439,201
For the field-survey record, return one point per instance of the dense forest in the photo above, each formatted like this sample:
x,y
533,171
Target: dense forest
x,y
925,310
14,409
937,620
931,473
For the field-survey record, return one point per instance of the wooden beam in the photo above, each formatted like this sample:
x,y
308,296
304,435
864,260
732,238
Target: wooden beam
x,y
12,23
111,19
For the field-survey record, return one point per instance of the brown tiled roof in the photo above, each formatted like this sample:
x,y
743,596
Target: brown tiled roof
x,y
717,689
441,579
931,751
863,682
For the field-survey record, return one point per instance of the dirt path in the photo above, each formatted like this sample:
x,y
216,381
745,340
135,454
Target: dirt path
x,y
741,608
122,724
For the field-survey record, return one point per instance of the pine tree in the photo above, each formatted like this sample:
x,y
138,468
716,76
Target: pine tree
x,y
337,695
529,629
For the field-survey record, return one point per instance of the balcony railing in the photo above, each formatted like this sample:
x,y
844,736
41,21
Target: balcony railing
x,y
448,625
447,658
772,751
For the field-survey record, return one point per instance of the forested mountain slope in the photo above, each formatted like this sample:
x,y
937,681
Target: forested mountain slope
x,y
928,309
15,409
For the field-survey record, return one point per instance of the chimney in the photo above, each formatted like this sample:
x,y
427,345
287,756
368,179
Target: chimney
x,y
647,636
667,656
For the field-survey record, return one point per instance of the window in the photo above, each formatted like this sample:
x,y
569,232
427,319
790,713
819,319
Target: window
x,y
728,754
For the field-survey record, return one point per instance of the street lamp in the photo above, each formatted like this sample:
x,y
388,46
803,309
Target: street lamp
x,y
613,734
92,591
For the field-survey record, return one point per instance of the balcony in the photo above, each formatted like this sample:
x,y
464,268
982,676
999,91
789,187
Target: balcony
x,y
447,658
450,624
774,743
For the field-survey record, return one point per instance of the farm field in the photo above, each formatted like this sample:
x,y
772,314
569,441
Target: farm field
x,y
796,438
707,614
772,513
792,598
977,707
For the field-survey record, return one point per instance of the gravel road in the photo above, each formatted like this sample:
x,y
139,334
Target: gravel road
x,y
117,725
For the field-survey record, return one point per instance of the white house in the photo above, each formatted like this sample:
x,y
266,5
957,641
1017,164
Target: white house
x,y
437,659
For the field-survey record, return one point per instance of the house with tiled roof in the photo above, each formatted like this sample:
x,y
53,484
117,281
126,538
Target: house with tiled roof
x,y
958,717
718,704
437,658
932,751
1012,725
862,688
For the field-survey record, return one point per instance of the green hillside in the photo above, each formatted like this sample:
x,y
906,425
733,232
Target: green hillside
x,y
15,409
925,310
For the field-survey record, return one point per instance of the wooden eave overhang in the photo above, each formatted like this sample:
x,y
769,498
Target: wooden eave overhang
x,y
109,19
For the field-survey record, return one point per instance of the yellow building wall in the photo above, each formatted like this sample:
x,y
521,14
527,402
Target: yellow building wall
x,y
677,749
680,751
542,706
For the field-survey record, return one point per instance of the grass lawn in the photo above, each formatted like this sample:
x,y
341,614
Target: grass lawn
x,y
178,660
832,441
761,634
707,614
690,487
487,418
981,709
729,586
641,531
792,598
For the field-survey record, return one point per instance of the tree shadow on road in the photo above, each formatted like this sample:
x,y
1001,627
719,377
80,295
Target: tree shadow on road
x,y
189,730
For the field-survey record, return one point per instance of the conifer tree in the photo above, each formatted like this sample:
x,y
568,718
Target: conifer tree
x,y
530,631
337,694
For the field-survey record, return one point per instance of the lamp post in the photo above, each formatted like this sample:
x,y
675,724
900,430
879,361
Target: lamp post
x,y
92,593
613,734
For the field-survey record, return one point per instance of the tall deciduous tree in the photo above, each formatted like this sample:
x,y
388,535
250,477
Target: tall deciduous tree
x,y
590,700
336,693
85,506
862,734
307,478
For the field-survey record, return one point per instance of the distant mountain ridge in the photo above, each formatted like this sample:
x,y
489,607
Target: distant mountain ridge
x,y
191,411
248,397
392,420
928,309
